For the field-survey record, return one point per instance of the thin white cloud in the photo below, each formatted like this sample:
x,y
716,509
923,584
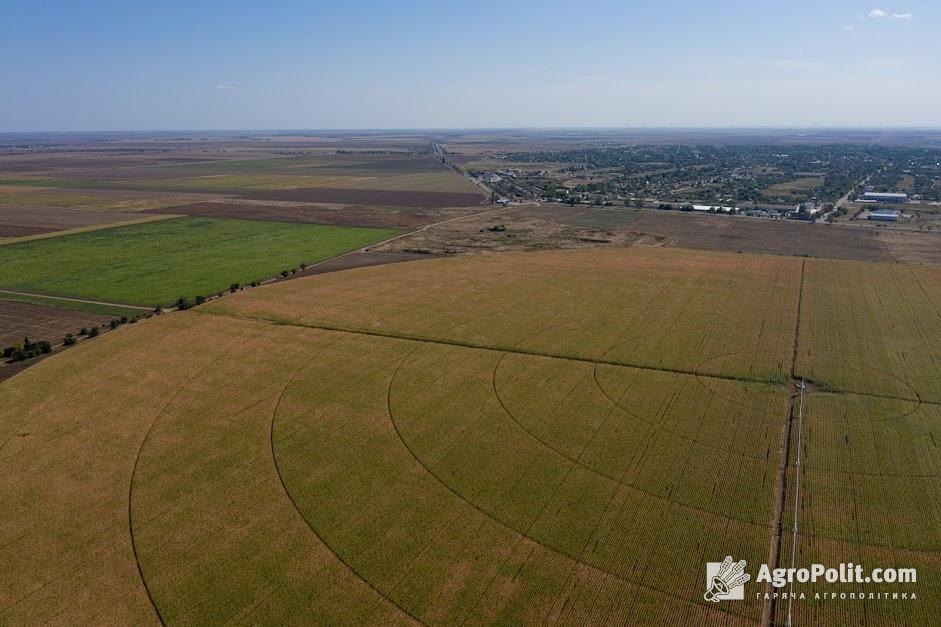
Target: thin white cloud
x,y
849,27
879,14
795,65
224,86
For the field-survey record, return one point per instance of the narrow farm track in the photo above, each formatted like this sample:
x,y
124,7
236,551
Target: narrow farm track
x,y
769,607
485,347
76,300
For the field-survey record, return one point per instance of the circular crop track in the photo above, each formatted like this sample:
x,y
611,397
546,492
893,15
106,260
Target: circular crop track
x,y
312,452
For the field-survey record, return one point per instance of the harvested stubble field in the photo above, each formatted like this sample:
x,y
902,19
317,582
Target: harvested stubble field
x,y
24,221
27,199
551,437
411,181
753,235
541,227
357,196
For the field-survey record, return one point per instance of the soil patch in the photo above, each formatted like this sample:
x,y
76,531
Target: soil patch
x,y
389,197
362,260
380,217
39,322
19,221
16,230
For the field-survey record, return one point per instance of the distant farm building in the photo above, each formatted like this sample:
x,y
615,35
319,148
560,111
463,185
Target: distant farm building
x,y
885,197
886,215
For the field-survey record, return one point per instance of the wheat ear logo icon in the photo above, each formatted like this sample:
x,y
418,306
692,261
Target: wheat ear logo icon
x,y
729,576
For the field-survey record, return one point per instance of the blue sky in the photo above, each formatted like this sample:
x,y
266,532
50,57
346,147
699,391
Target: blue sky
x,y
135,65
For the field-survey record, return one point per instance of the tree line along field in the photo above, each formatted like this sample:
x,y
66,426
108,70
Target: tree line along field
x,y
560,437
157,262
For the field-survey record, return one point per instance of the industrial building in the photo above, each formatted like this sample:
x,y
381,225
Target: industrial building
x,y
886,215
885,197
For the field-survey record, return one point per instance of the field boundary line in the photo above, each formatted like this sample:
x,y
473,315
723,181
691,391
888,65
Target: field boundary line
x,y
513,529
797,493
769,607
75,300
797,319
548,355
488,347
889,397
369,247
88,229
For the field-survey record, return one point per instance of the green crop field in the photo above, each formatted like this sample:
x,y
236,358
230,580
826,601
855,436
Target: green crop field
x,y
157,262
796,186
563,437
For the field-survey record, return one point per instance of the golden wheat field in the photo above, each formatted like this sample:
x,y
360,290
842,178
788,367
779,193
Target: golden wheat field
x,y
563,437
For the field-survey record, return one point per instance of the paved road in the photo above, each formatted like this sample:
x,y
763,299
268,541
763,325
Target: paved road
x,y
846,196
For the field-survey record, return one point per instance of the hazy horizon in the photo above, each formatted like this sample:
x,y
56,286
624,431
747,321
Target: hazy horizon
x,y
475,129
109,66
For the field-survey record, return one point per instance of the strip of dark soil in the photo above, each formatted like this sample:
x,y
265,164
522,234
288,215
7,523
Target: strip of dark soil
x,y
389,197
741,234
9,370
17,230
393,164
361,260
401,217
39,322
